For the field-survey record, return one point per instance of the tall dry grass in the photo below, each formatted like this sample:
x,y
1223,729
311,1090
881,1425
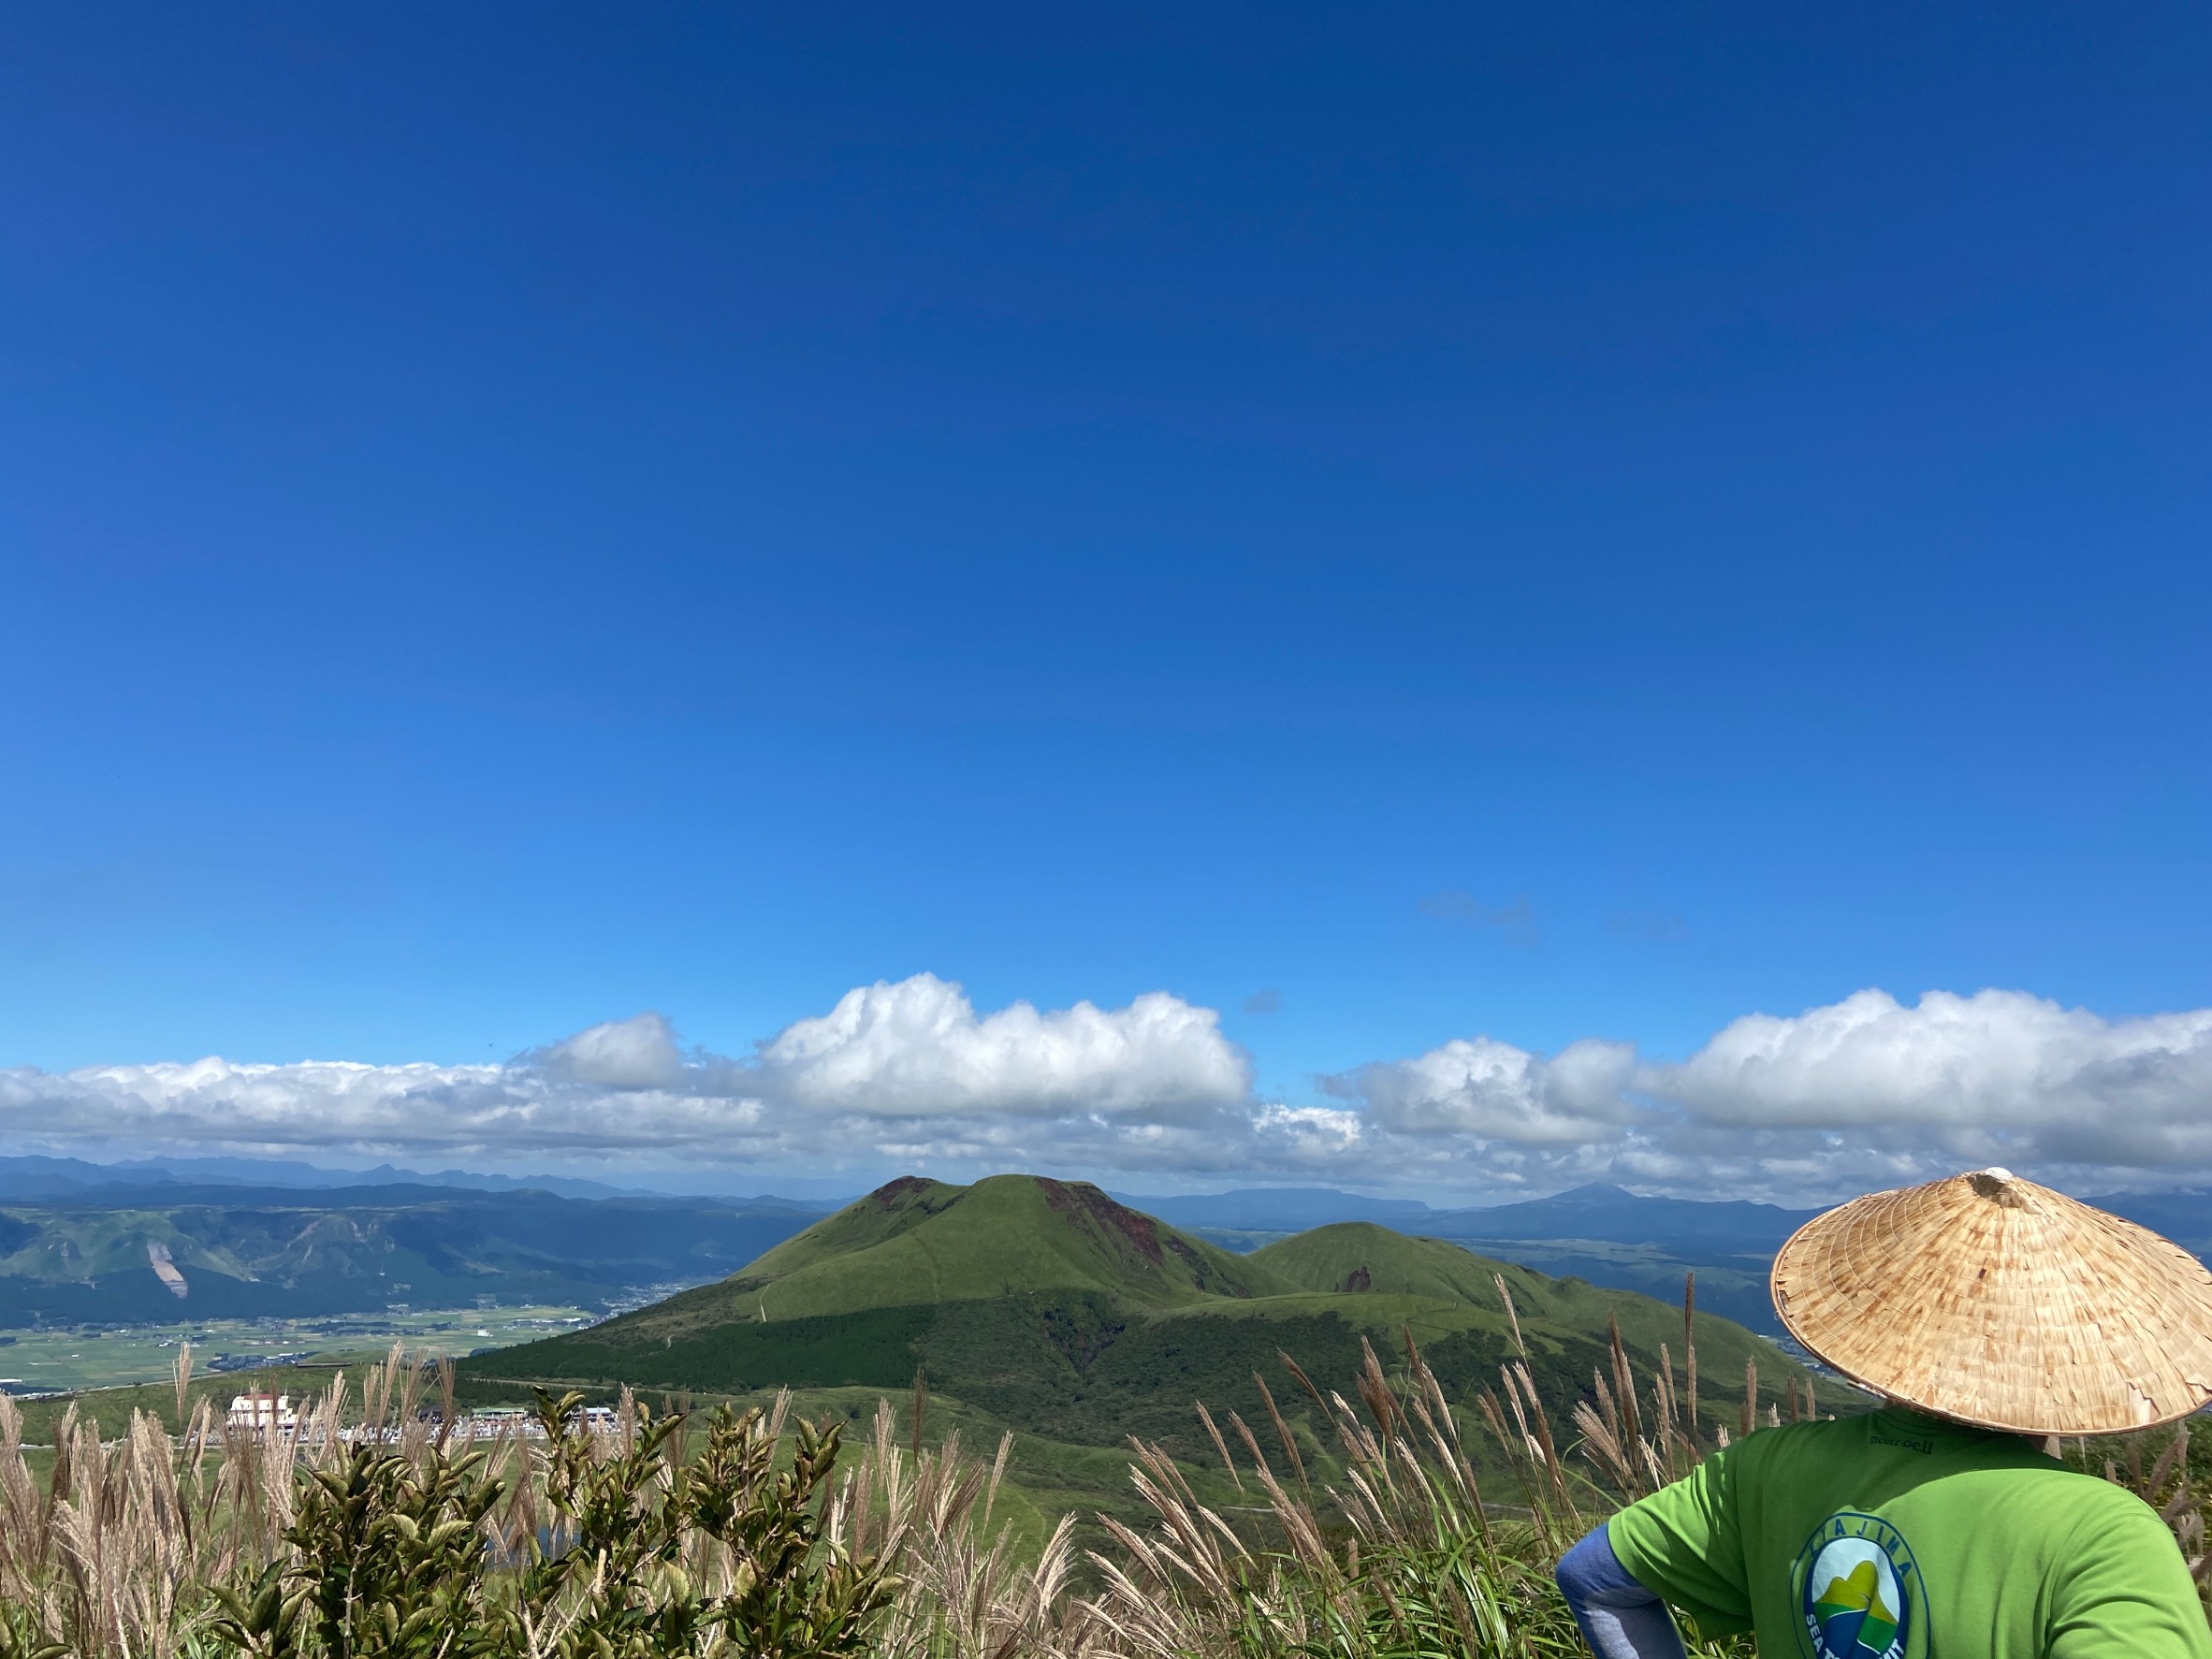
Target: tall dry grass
x,y
376,1527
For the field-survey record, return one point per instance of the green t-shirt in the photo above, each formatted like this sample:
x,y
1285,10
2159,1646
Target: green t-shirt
x,y
1896,1536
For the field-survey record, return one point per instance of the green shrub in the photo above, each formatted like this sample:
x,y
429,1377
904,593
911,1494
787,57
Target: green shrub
x,y
625,1553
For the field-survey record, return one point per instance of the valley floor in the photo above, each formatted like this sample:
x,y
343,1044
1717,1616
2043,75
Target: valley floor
x,y
71,1359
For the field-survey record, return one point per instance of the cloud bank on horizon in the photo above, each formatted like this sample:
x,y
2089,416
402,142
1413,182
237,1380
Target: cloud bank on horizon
x,y
1867,1091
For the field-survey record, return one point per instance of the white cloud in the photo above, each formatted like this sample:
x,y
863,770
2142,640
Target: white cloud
x,y
894,1072
1861,1092
217,1105
1970,1073
639,1052
918,1047
1492,1090
1865,1091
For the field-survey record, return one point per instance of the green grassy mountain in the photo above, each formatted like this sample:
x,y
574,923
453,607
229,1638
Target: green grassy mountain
x,y
922,1243
1049,1308
1360,1258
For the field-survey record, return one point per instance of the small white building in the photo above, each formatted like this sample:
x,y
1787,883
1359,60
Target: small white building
x,y
261,1414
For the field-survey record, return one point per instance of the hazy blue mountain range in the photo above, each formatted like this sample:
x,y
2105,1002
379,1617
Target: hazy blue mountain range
x,y
259,1236
1605,1234
1596,1211
94,1256
1278,1208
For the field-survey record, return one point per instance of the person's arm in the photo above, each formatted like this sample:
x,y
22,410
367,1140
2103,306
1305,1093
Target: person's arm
x,y
2124,1590
1684,1542
1620,1618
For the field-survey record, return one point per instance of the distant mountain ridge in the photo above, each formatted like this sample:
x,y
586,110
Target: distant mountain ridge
x,y
1598,1231
1279,1209
1593,1211
1616,1216
1611,1236
1597,1210
89,1257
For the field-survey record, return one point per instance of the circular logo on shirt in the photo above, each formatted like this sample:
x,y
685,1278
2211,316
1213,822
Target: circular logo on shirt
x,y
1856,1584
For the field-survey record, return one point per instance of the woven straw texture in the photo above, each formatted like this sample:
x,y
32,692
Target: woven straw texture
x,y
1991,1300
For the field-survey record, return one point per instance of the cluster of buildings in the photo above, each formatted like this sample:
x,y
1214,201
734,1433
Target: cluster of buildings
x,y
261,1414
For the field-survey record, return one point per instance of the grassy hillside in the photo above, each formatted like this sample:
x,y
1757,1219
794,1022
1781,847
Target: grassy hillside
x,y
914,1244
1050,1308
1357,1258
925,1242
1598,1232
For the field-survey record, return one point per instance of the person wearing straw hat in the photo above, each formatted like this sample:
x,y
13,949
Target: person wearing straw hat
x,y
1992,1315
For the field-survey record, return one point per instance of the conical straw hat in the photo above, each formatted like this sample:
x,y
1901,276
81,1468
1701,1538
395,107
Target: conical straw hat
x,y
1989,1300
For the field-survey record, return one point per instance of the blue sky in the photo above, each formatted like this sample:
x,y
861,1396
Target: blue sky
x,y
1552,523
